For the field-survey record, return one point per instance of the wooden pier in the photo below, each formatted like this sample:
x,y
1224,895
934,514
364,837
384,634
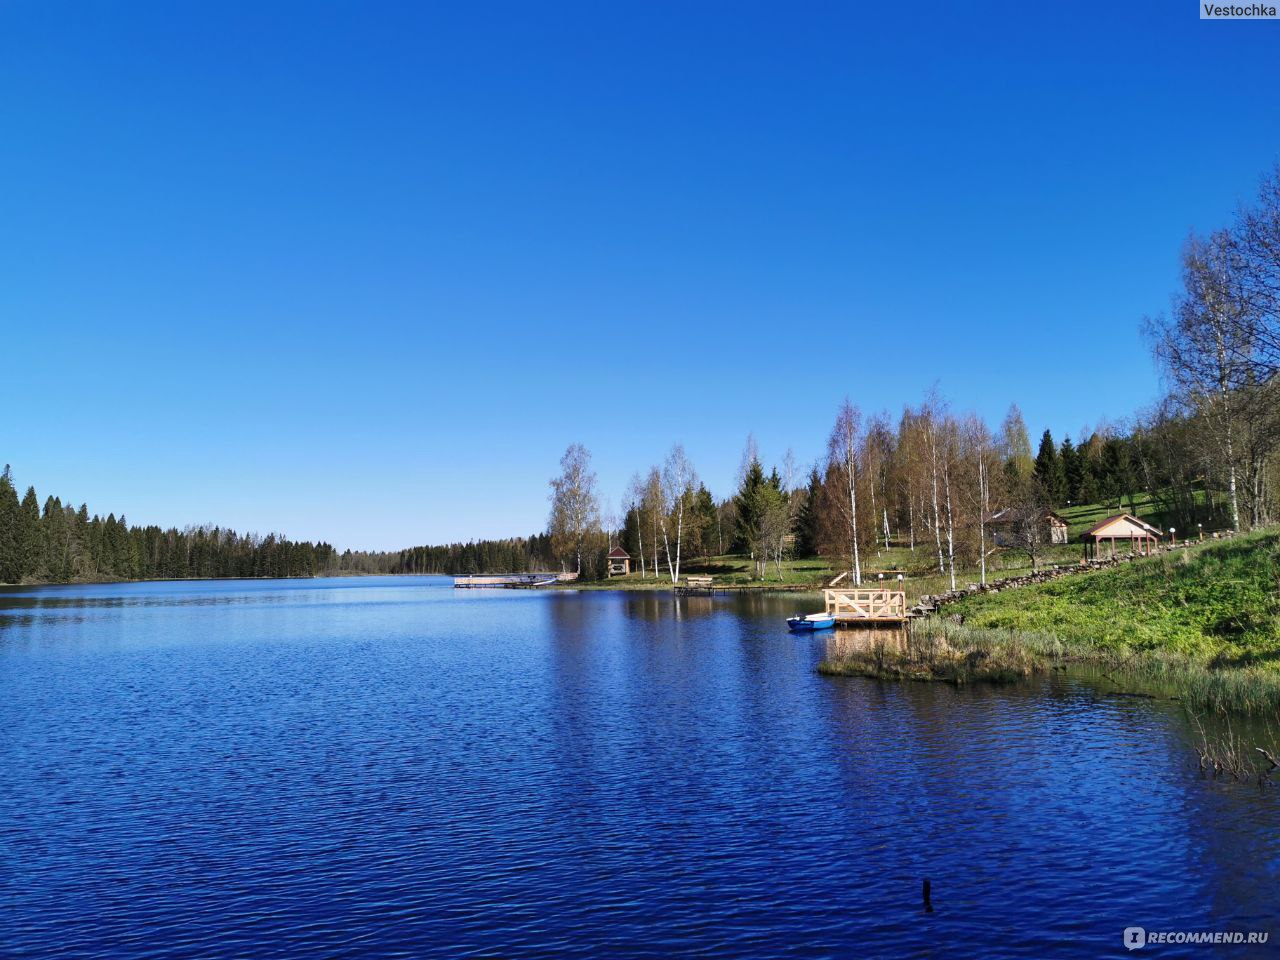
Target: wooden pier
x,y
511,581
692,586
856,605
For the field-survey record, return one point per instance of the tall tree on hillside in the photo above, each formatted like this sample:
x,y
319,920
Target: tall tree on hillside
x,y
1015,445
1048,470
1119,479
1073,466
575,512
1208,349
1091,467
1255,261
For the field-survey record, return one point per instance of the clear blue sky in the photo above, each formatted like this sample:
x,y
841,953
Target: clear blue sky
x,y
362,271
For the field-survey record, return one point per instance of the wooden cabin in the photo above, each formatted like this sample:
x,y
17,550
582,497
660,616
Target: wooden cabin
x,y
619,562
1141,536
1053,528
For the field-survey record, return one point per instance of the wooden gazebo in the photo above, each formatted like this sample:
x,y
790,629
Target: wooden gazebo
x,y
619,562
1141,536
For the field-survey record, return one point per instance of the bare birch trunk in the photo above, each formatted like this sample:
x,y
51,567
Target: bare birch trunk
x,y
951,526
853,519
875,538
675,576
984,506
937,519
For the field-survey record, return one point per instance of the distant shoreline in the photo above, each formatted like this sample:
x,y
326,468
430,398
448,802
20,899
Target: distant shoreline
x,y
100,581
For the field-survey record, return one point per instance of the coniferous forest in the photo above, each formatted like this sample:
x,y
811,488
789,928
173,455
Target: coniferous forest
x,y
57,542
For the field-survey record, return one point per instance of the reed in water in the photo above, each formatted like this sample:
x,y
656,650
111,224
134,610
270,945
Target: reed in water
x,y
935,649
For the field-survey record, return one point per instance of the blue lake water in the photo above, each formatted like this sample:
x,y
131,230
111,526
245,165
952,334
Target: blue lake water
x,y
387,767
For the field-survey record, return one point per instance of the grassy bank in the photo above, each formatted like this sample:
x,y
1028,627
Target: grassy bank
x,y
1201,625
1217,602
919,568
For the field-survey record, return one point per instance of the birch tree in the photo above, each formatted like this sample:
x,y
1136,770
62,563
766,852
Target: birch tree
x,y
678,482
1206,347
842,465
1255,240
575,511
635,503
980,461
656,506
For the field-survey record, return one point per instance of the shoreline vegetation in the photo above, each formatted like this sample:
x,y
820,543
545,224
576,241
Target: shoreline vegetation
x,y
1200,625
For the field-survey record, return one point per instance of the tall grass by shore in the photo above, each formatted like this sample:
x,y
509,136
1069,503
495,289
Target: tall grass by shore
x,y
935,649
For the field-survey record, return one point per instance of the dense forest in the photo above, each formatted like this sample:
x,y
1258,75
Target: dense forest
x,y
58,543
513,555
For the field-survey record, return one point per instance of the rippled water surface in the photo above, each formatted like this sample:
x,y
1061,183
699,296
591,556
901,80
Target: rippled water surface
x,y
391,768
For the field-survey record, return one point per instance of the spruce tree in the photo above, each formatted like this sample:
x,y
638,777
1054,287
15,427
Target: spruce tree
x,y
10,535
1048,470
1073,471
32,536
807,519
750,505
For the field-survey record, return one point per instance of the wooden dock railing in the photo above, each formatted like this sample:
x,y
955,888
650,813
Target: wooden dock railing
x,y
857,603
696,584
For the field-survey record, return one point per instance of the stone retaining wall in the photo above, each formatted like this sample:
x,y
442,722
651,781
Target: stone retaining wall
x,y
929,604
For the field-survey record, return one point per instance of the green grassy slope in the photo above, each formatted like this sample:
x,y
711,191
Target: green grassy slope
x,y
1218,600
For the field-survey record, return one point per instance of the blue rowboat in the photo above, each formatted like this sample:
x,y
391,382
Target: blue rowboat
x,y
814,621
